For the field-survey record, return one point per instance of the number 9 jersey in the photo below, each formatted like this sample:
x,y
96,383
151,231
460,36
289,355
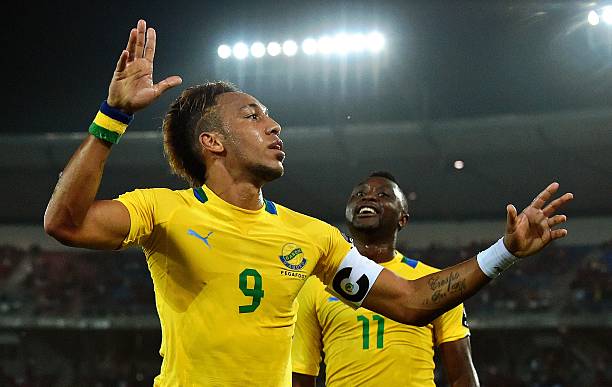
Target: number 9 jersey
x,y
225,282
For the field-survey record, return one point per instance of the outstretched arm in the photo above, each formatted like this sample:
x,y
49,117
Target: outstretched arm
x,y
420,301
457,359
73,216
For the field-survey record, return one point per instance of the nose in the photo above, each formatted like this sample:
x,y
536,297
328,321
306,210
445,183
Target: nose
x,y
369,195
274,127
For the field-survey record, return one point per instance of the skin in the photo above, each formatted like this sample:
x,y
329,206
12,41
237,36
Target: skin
x,y
238,164
375,236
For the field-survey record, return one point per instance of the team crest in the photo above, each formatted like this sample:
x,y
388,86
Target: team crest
x,y
292,256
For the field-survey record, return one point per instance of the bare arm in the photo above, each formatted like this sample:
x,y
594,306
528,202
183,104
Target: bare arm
x,y
73,216
457,359
420,301
302,380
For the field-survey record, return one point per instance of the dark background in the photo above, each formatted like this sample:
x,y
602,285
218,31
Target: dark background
x,y
519,90
443,59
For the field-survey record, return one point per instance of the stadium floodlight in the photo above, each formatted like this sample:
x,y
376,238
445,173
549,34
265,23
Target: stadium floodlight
x,y
342,44
375,41
593,18
325,45
274,48
258,49
309,46
290,48
606,14
240,50
224,51
458,164
357,42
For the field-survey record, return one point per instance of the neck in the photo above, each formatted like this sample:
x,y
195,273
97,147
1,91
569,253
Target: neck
x,y
378,249
233,189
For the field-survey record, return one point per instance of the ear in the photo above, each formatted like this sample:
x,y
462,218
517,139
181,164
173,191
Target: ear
x,y
403,220
212,142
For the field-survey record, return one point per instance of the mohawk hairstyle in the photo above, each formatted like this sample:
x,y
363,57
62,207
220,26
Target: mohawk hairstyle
x,y
188,116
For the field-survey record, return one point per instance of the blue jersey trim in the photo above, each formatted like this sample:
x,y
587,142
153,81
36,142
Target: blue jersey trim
x,y
410,262
271,207
200,194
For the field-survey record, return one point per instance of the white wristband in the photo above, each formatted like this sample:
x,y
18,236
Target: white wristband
x,y
495,259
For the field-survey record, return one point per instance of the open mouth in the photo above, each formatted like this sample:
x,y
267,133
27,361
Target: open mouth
x,y
366,211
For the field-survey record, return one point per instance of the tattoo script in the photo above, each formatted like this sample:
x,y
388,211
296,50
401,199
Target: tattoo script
x,y
444,286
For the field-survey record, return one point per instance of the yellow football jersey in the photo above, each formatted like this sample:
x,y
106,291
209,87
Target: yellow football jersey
x,y
363,348
225,282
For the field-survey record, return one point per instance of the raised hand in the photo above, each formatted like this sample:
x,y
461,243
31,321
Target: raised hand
x,y
132,87
532,229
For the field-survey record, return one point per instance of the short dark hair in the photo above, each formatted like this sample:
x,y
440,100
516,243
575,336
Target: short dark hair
x,y
384,174
188,116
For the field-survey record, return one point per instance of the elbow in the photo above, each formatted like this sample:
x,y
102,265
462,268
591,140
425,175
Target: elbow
x,y
59,231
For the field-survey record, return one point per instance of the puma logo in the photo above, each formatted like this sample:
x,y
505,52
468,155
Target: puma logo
x,y
203,239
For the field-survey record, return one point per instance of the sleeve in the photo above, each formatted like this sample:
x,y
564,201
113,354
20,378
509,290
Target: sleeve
x,y
141,206
451,326
306,349
347,274
335,247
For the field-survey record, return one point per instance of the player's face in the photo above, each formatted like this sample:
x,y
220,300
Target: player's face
x,y
374,204
253,144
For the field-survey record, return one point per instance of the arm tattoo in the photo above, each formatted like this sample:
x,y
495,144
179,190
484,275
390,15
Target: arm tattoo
x,y
442,287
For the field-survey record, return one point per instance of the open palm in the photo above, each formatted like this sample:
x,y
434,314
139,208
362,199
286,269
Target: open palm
x,y
132,87
532,229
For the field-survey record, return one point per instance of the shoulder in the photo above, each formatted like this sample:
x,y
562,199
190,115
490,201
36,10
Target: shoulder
x,y
301,220
156,199
161,192
415,266
426,269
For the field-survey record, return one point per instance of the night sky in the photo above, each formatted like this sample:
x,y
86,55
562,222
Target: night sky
x,y
443,59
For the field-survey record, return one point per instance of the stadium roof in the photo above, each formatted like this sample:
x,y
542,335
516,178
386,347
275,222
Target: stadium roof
x,y
520,91
507,159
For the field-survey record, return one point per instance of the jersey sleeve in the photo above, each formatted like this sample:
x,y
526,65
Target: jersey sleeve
x,y
141,205
335,246
306,349
451,326
347,273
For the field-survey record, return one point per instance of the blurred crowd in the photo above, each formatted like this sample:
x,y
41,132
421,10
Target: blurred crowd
x,y
74,283
79,283
566,281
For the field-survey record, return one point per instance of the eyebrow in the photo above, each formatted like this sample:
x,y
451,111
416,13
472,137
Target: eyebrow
x,y
255,106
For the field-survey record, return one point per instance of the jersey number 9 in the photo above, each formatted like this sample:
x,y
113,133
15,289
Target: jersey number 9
x,y
256,291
